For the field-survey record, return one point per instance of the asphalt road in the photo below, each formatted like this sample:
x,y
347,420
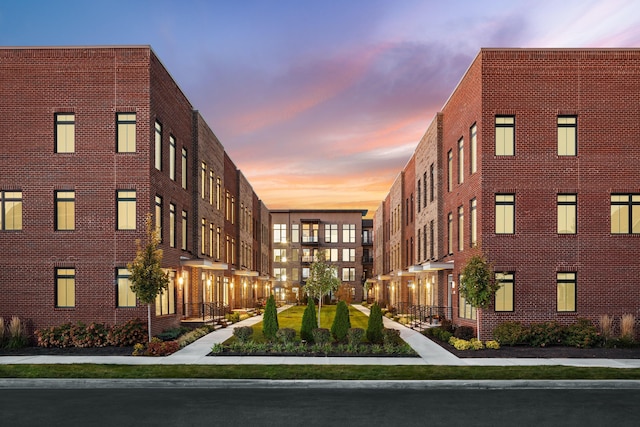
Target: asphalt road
x,y
310,406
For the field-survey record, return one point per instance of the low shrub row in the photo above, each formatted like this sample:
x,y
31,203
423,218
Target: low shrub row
x,y
472,344
92,335
12,335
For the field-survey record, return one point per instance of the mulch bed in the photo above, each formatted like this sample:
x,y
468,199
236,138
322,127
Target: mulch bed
x,y
69,351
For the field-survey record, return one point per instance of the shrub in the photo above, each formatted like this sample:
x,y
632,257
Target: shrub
x,y
194,335
157,347
286,335
321,336
510,333
388,315
232,317
309,321
391,336
582,334
355,335
3,335
545,334
438,333
374,325
492,344
464,332
270,320
127,334
606,326
476,344
243,333
459,343
341,322
446,325
627,326
17,336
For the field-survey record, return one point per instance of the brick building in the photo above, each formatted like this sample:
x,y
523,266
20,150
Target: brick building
x,y
537,167
94,138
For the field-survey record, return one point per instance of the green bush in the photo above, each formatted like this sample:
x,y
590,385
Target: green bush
x,y
341,322
438,333
464,332
243,333
309,321
582,334
545,334
286,335
232,317
321,336
270,320
355,335
510,333
391,336
446,325
374,326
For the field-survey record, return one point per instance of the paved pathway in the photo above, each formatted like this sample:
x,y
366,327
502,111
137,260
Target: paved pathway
x,y
430,354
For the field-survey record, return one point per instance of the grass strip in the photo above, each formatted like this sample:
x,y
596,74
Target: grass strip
x,y
327,372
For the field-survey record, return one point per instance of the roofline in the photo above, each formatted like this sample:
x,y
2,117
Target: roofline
x,y
363,212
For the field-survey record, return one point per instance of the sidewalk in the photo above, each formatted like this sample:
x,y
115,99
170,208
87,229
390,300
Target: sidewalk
x,y
429,352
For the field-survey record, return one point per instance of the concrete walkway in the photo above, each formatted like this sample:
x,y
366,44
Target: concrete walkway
x,y
429,352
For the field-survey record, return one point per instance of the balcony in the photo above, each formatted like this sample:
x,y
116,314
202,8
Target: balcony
x,y
310,240
367,260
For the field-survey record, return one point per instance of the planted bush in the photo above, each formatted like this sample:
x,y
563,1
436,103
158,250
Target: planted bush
x,y
391,336
243,333
545,334
321,336
510,333
309,321
341,322
3,335
286,335
375,326
17,336
127,334
582,334
355,335
464,332
270,320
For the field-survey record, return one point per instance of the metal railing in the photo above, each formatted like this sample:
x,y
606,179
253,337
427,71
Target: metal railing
x,y
207,311
421,315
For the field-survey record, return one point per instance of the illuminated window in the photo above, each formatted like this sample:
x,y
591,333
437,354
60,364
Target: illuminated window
x,y
460,228
65,132
504,294
280,274
310,233
166,300
625,213
126,132
11,210
567,135
567,213
505,213
184,231
158,146
348,274
126,297
184,169
126,207
460,161
331,233
65,287
450,233
474,223
279,233
172,158
172,225
449,171
280,255
348,233
65,210
566,283
505,135
348,255
473,148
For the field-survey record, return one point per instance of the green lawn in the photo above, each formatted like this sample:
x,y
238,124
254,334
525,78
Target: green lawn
x,y
292,318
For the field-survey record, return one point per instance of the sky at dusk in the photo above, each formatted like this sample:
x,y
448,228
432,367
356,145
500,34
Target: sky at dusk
x,y
320,103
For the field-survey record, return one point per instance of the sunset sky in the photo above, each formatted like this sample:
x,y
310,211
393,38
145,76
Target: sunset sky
x,y
320,103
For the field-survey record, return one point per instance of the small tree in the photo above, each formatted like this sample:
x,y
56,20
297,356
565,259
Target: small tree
x,y
341,323
147,278
375,326
270,320
309,321
478,285
323,279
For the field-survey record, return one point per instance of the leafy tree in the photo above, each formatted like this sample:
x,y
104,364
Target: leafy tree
x,y
477,284
270,320
148,280
344,293
375,326
309,321
341,322
323,279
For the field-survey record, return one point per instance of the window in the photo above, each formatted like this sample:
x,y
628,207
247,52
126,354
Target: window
x,y
158,147
203,240
65,210
295,255
331,255
305,273
424,191
474,223
567,213
331,233
567,135
184,231
450,233
65,132
465,310
348,233
566,283
449,171
166,301
203,180
473,160
348,274
158,216
280,274
126,206
505,135
280,255
218,194
625,213
460,228
432,230
65,287
504,294
418,193
172,225
126,297
172,158
126,132
310,233
184,169
11,213
218,242
432,180
211,242
279,233
212,190
460,161
349,255
505,213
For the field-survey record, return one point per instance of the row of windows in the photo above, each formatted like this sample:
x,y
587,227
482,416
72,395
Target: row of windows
x,y
309,255
504,300
280,274
65,291
310,233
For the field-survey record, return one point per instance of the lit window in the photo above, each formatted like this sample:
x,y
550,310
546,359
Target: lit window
x,y
158,146
172,158
184,231
567,132
566,283
126,297
279,233
172,225
348,274
465,310
473,160
567,213
505,135
295,233
65,287
331,233
166,300
348,233
65,132
348,255
474,223
505,213
158,216
11,210
460,228
126,206
126,132
504,294
625,213
449,171
280,274
65,210
280,255
184,169
450,233
460,161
